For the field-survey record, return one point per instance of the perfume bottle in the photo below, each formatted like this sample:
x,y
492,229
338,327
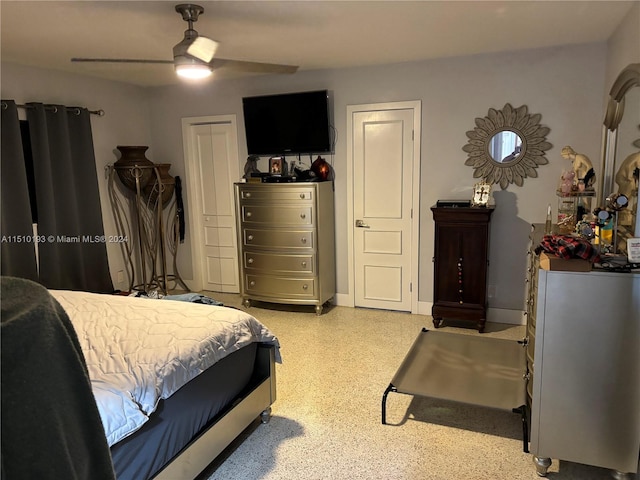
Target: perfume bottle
x,y
547,224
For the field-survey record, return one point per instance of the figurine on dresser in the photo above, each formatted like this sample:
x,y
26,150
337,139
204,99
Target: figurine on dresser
x,y
584,176
251,166
627,180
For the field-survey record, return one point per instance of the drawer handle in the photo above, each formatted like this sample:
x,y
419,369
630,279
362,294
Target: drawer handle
x,y
305,286
304,264
249,238
248,214
252,283
303,215
249,261
303,239
247,194
302,195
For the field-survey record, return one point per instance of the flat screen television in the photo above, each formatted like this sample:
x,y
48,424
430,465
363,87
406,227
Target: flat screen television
x,y
291,123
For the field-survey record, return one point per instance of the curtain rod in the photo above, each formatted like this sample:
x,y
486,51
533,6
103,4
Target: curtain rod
x,y
100,112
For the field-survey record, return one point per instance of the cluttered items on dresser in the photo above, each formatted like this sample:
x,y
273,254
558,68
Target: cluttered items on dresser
x,y
279,171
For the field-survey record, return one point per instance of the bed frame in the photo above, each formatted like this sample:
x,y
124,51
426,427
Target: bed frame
x,y
203,449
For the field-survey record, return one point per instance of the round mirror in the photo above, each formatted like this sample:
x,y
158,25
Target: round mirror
x,y
507,146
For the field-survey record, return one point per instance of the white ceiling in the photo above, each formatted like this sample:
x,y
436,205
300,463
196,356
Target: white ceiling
x,y
311,34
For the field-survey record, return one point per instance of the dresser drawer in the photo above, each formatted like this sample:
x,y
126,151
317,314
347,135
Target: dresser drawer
x,y
530,354
289,193
279,263
533,309
296,215
531,335
293,288
286,239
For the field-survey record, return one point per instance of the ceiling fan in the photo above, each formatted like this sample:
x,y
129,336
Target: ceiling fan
x,y
194,58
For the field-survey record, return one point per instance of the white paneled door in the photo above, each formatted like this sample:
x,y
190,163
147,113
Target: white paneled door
x,y
212,168
383,203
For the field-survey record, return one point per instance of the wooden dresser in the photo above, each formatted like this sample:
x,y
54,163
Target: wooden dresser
x,y
286,242
461,257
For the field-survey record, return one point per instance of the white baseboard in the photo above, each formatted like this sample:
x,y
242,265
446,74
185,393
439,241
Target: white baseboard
x,y
494,315
424,308
343,300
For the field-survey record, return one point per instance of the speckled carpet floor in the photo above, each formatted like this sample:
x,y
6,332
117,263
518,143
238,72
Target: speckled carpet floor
x,y
326,421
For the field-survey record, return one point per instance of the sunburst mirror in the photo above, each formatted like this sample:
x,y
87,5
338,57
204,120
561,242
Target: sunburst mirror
x,y
507,146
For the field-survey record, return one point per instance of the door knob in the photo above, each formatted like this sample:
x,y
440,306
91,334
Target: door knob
x,y
361,224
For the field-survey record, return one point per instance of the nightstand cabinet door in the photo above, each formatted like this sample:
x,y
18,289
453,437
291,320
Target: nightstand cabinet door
x,y
461,256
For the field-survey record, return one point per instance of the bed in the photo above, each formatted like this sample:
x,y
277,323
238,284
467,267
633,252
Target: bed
x,y
174,382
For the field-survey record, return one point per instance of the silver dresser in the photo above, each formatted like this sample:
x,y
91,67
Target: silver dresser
x,y
584,367
286,242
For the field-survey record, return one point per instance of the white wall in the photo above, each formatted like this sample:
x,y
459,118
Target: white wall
x,y
623,47
563,84
125,123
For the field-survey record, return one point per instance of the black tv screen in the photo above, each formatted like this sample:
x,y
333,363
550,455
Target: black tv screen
x,y
291,123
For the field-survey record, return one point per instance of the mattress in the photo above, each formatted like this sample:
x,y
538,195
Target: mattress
x,y
180,418
140,351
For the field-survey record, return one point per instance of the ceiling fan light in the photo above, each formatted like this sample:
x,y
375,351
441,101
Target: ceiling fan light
x,y
193,71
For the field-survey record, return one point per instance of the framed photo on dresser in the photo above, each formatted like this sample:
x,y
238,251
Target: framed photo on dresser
x,y
275,165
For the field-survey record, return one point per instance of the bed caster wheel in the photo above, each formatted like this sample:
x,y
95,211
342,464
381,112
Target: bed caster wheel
x,y
265,416
542,465
246,302
620,475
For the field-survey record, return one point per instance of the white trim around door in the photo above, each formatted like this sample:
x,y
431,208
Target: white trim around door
x,y
416,107
205,207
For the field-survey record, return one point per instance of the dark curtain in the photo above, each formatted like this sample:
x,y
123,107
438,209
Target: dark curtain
x,y
73,255
17,247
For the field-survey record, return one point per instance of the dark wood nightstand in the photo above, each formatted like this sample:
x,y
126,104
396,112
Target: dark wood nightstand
x,y
461,258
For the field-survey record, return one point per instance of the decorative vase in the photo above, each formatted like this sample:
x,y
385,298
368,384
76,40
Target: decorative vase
x,y
134,165
167,185
321,169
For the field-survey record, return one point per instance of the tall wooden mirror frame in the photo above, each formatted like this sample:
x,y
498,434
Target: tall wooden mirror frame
x,y
628,78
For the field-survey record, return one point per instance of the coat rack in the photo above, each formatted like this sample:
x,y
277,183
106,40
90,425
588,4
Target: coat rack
x,y
140,211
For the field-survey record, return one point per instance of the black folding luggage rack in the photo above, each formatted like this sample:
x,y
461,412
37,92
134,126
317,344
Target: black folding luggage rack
x,y
485,371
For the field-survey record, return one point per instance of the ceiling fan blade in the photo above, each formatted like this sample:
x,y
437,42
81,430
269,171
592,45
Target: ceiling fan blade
x,y
256,67
120,60
197,51
202,48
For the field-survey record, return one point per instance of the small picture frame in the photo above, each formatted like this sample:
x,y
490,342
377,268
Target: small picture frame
x,y
275,166
481,194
